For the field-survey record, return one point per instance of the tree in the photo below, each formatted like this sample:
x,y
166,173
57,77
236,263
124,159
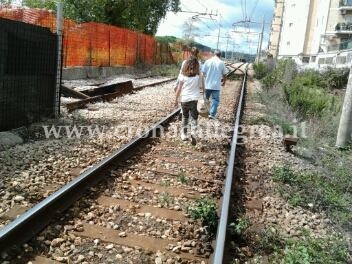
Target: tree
x,y
5,2
138,15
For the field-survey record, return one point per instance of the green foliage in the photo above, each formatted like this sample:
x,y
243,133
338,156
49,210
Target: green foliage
x,y
261,70
308,92
308,99
270,81
204,209
165,198
270,240
165,183
284,72
329,250
182,178
166,39
283,174
171,70
304,249
334,78
139,15
314,190
241,225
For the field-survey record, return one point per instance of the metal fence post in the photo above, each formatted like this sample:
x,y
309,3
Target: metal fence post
x,y
59,19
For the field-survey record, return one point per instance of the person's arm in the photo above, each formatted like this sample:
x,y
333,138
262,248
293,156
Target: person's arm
x,y
224,76
178,92
201,82
223,80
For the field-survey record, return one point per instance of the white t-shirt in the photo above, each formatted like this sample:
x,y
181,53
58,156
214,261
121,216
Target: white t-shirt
x,y
190,88
214,69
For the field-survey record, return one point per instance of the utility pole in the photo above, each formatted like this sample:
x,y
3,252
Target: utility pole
x,y
233,48
59,32
345,127
217,44
260,43
227,44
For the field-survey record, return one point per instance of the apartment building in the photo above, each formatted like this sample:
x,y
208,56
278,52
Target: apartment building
x,y
312,29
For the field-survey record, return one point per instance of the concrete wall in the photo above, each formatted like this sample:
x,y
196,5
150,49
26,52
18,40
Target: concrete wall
x,y
75,73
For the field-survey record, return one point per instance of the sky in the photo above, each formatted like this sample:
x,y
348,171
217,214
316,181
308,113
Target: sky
x,y
226,15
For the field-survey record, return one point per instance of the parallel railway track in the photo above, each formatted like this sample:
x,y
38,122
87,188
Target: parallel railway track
x,y
140,210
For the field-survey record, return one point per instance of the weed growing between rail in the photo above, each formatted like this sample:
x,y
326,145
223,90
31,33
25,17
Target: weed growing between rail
x,y
204,209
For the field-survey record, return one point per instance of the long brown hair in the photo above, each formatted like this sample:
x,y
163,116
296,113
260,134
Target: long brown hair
x,y
191,67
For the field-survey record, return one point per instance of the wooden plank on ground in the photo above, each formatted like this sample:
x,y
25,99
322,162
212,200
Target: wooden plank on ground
x,y
140,208
72,93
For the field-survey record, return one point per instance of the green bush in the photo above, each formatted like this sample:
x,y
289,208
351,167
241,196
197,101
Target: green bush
x,y
241,225
270,81
308,99
261,70
334,78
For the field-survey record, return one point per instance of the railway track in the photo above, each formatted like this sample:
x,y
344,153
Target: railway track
x,y
31,172
151,205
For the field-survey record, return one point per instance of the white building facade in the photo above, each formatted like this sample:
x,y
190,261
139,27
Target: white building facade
x,y
294,26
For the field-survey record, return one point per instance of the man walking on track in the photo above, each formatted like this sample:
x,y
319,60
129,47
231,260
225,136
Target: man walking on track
x,y
214,72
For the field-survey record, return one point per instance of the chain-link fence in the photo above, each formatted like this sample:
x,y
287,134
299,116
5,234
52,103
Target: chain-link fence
x,y
28,63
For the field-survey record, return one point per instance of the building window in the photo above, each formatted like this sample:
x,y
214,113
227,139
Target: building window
x,y
329,60
313,58
288,43
321,61
305,59
290,25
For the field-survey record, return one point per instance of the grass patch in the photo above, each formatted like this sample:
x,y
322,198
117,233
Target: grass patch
x,y
329,193
239,226
171,70
329,250
182,178
261,70
165,183
309,100
165,198
305,249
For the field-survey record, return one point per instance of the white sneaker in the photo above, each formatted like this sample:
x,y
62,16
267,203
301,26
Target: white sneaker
x,y
183,136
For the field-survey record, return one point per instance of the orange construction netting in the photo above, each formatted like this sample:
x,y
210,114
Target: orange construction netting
x,y
96,44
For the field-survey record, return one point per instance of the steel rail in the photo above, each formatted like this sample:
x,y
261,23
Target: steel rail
x,y
222,227
30,223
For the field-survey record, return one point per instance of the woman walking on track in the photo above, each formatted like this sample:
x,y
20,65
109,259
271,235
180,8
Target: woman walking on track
x,y
188,90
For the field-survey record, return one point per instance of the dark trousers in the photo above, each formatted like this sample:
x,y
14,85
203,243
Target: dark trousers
x,y
189,115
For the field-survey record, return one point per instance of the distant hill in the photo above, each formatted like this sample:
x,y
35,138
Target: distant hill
x,y
235,55
175,40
